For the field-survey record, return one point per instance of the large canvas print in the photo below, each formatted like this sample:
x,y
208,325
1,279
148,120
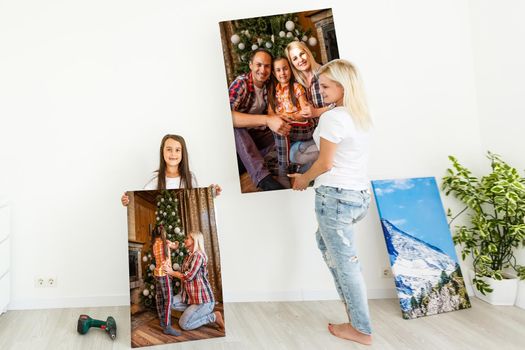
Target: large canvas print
x,y
271,64
174,267
422,256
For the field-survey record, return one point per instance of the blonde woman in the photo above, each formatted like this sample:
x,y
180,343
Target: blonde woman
x,y
196,298
306,71
341,186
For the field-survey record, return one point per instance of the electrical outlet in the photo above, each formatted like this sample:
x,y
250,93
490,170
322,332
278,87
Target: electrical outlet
x,y
40,282
387,272
51,282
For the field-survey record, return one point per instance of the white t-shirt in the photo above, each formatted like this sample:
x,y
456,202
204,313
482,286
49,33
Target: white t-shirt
x,y
172,183
350,162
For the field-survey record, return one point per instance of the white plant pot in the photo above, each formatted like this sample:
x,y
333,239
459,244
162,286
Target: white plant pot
x,y
520,299
504,291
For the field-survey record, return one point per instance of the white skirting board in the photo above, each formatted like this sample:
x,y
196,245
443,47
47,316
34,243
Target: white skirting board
x,y
121,300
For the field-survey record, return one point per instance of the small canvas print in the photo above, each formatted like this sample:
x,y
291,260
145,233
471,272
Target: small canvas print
x,y
174,267
426,271
271,64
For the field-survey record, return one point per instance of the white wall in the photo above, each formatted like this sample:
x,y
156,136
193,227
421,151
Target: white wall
x,y
498,32
87,89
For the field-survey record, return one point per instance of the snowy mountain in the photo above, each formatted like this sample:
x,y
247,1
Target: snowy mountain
x,y
416,265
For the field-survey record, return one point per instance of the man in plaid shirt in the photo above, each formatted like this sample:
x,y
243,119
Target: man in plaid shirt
x,y
252,125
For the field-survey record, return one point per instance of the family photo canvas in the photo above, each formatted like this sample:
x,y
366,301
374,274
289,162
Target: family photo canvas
x,y
174,267
271,65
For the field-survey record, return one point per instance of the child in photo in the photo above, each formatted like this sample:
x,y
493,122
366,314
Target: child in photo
x,y
163,290
286,97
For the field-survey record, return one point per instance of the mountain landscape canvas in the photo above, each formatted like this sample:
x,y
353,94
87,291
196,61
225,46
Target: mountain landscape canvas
x,y
426,271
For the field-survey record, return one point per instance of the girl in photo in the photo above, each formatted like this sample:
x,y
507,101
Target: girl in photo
x,y
286,98
341,186
161,251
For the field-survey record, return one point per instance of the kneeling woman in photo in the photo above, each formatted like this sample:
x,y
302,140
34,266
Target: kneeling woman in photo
x,y
196,297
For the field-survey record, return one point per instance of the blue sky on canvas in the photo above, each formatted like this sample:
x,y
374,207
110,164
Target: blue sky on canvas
x,y
414,206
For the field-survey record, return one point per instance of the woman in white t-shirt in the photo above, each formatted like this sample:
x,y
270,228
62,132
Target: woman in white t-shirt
x,y
341,186
174,169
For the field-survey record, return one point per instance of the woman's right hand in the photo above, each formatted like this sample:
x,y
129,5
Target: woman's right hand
x,y
277,124
308,111
125,199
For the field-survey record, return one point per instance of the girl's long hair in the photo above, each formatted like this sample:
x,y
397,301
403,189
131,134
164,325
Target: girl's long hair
x,y
184,167
159,231
300,76
345,74
274,82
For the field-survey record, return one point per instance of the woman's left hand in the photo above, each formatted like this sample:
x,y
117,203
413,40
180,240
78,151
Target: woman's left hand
x,y
300,182
167,268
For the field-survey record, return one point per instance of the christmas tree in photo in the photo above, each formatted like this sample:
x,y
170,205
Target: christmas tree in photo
x,y
167,216
272,33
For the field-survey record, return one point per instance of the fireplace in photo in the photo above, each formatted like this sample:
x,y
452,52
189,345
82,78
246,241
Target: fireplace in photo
x,y
135,265
323,21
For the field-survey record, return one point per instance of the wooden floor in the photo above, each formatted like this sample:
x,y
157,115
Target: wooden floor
x,y
146,330
286,325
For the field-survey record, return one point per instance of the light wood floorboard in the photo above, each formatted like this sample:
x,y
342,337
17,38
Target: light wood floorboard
x,y
284,325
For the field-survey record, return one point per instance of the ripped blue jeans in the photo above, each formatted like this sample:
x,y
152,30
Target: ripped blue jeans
x,y
337,211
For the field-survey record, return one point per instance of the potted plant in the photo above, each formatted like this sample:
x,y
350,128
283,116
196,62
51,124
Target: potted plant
x,y
496,204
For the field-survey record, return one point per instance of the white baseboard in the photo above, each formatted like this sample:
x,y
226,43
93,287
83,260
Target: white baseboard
x,y
300,295
69,302
229,297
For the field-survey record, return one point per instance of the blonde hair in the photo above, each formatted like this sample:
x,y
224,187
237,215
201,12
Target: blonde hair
x,y
345,74
198,241
300,76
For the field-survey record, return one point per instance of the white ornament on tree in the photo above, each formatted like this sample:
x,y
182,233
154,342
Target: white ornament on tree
x,y
152,287
296,39
176,267
282,34
259,41
152,267
268,45
289,34
235,39
241,46
304,38
144,258
177,283
177,229
312,41
289,26
254,47
145,292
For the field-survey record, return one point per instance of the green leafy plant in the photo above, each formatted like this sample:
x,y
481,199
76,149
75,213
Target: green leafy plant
x,y
496,205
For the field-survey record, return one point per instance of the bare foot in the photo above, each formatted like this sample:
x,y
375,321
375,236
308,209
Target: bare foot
x,y
218,319
346,331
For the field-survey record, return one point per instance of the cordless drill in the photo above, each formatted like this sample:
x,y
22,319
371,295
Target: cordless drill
x,y
85,323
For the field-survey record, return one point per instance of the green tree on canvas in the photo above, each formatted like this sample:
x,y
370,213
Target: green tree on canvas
x,y
272,33
167,215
